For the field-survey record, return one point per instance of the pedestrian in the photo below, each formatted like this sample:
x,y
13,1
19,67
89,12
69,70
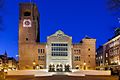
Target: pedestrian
x,y
111,71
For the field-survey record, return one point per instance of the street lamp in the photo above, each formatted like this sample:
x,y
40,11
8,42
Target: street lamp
x,y
34,64
17,63
17,55
84,65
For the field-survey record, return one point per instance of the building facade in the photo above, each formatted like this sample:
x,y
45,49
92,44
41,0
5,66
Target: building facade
x,y
12,63
110,53
57,53
28,35
8,63
83,54
3,61
100,57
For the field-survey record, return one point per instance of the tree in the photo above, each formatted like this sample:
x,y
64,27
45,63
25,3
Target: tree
x,y
114,8
117,31
114,4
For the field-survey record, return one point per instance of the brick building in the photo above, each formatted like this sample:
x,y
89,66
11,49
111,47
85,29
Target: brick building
x,y
58,52
109,54
8,63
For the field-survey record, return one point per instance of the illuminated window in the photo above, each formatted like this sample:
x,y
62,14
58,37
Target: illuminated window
x,y
59,54
77,58
106,54
41,58
101,57
106,61
59,49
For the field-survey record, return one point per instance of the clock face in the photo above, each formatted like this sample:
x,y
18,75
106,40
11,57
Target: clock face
x,y
26,23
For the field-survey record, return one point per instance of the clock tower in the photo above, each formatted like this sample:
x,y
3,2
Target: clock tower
x,y
28,23
28,34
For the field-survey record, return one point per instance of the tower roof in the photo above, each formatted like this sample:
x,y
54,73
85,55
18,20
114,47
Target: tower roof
x,y
87,37
5,54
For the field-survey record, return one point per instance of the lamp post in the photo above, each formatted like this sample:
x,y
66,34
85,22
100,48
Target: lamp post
x,y
34,64
84,65
17,64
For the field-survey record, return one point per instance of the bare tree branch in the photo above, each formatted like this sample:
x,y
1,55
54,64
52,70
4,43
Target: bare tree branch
x,y
113,5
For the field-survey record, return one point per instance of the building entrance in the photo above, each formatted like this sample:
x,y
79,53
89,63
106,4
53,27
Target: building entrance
x,y
59,68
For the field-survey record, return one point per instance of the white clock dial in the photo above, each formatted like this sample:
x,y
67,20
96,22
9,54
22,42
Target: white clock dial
x,y
26,23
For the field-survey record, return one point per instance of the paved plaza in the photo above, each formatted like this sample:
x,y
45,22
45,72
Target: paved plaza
x,y
62,77
59,77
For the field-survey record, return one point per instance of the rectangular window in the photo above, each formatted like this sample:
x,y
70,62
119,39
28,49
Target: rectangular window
x,y
101,57
43,50
77,58
38,57
106,54
56,44
59,54
41,58
38,50
27,13
59,49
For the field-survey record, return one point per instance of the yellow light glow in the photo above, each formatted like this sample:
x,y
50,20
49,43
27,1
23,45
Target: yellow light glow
x,y
119,63
34,63
84,63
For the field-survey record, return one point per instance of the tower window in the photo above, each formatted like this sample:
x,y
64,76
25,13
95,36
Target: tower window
x,y
89,55
88,61
27,13
89,49
26,39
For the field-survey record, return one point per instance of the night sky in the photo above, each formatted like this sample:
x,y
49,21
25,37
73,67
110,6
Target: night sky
x,y
76,18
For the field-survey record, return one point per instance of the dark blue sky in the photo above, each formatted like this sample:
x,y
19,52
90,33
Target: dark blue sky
x,y
76,18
